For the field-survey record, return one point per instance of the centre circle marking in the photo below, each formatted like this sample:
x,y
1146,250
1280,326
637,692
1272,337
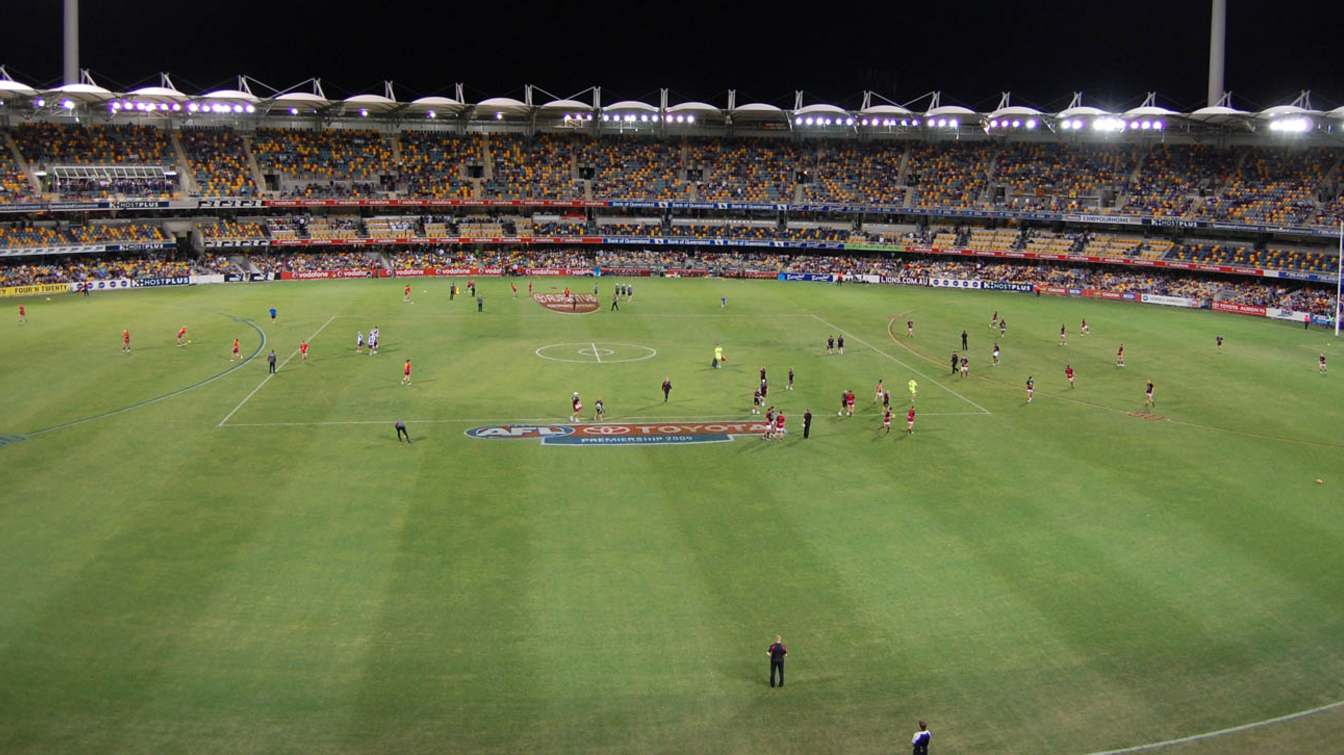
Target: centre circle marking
x,y
596,352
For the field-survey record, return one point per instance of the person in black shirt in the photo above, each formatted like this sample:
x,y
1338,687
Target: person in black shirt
x,y
955,361
830,344
480,304
789,387
1220,343
762,374
963,340
401,432
667,388
270,361
840,345
807,424
777,651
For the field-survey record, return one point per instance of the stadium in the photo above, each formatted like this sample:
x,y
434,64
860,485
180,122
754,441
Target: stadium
x,y
312,399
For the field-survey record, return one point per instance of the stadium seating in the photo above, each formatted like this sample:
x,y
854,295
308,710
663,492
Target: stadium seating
x,y
45,144
537,168
435,164
219,162
328,155
634,169
14,184
949,174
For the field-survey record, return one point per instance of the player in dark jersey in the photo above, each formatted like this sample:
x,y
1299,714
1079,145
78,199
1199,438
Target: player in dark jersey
x,y
910,328
1321,363
1120,356
1083,328
765,388
1063,336
994,320
996,355
1148,393
667,388
886,421
1003,328
830,344
789,387
963,340
840,345
762,373
965,366
1219,341
1031,387
956,360
756,401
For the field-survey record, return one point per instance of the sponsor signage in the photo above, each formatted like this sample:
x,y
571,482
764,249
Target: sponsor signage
x,y
1240,309
101,285
823,277
1168,301
321,274
180,280
1286,314
956,283
621,434
574,303
38,288
1024,288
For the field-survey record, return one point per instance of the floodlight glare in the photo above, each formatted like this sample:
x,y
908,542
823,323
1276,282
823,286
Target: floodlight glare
x,y
1157,125
952,123
431,114
293,111
1031,123
499,116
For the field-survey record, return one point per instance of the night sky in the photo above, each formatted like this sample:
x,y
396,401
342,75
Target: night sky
x,y
1042,51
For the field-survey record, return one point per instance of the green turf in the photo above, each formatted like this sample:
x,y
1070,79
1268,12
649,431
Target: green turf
x,y
1059,577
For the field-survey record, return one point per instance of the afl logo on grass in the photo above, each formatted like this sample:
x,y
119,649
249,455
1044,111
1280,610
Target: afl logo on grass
x,y
580,304
621,434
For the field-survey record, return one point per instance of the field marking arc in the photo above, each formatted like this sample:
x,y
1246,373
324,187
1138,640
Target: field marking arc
x,y
652,352
270,375
819,319
1223,732
163,397
1113,410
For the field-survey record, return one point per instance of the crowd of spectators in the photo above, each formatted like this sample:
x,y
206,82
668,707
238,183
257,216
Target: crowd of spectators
x,y
68,144
219,162
1062,178
538,168
950,174
743,170
233,229
861,173
77,269
632,168
27,235
330,154
14,184
306,261
435,164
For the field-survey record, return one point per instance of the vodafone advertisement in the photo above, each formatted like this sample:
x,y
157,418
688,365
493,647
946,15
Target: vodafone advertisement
x,y
303,275
1254,310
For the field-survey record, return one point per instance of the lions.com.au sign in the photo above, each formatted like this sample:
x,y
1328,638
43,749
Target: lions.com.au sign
x,y
621,434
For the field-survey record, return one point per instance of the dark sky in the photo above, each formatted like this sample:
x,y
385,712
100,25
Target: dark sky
x,y
1042,51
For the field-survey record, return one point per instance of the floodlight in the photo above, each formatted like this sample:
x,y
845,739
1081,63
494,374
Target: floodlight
x,y
1157,125
293,111
690,119
1031,123
363,113
68,104
116,106
499,116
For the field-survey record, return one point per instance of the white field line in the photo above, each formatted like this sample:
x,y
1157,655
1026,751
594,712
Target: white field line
x,y
270,375
982,409
535,420
1222,732
596,355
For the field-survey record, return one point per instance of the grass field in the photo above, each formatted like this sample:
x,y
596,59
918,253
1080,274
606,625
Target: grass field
x,y
1072,575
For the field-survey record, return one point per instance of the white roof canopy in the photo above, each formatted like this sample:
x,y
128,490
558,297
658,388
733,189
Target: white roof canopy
x,y
955,110
157,94
11,88
566,105
231,95
1281,111
887,110
759,111
506,105
693,107
81,93
1016,111
436,104
821,109
635,105
301,99
1082,111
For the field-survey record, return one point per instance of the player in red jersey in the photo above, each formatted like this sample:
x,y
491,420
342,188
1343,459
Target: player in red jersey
x,y
994,320
406,293
779,426
23,314
182,336
886,420
1068,373
514,286
126,340
849,402
910,421
965,365
303,351
237,350
406,373
575,407
880,391
1120,356
529,288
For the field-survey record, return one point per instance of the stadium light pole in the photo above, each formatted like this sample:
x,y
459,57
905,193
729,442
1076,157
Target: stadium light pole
x,y
1217,41
1339,276
71,46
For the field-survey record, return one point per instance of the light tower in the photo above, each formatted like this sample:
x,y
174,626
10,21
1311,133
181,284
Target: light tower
x,y
1217,43
71,47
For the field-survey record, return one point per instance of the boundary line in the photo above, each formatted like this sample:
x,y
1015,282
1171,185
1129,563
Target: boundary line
x,y
549,420
270,375
165,396
1222,732
982,409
